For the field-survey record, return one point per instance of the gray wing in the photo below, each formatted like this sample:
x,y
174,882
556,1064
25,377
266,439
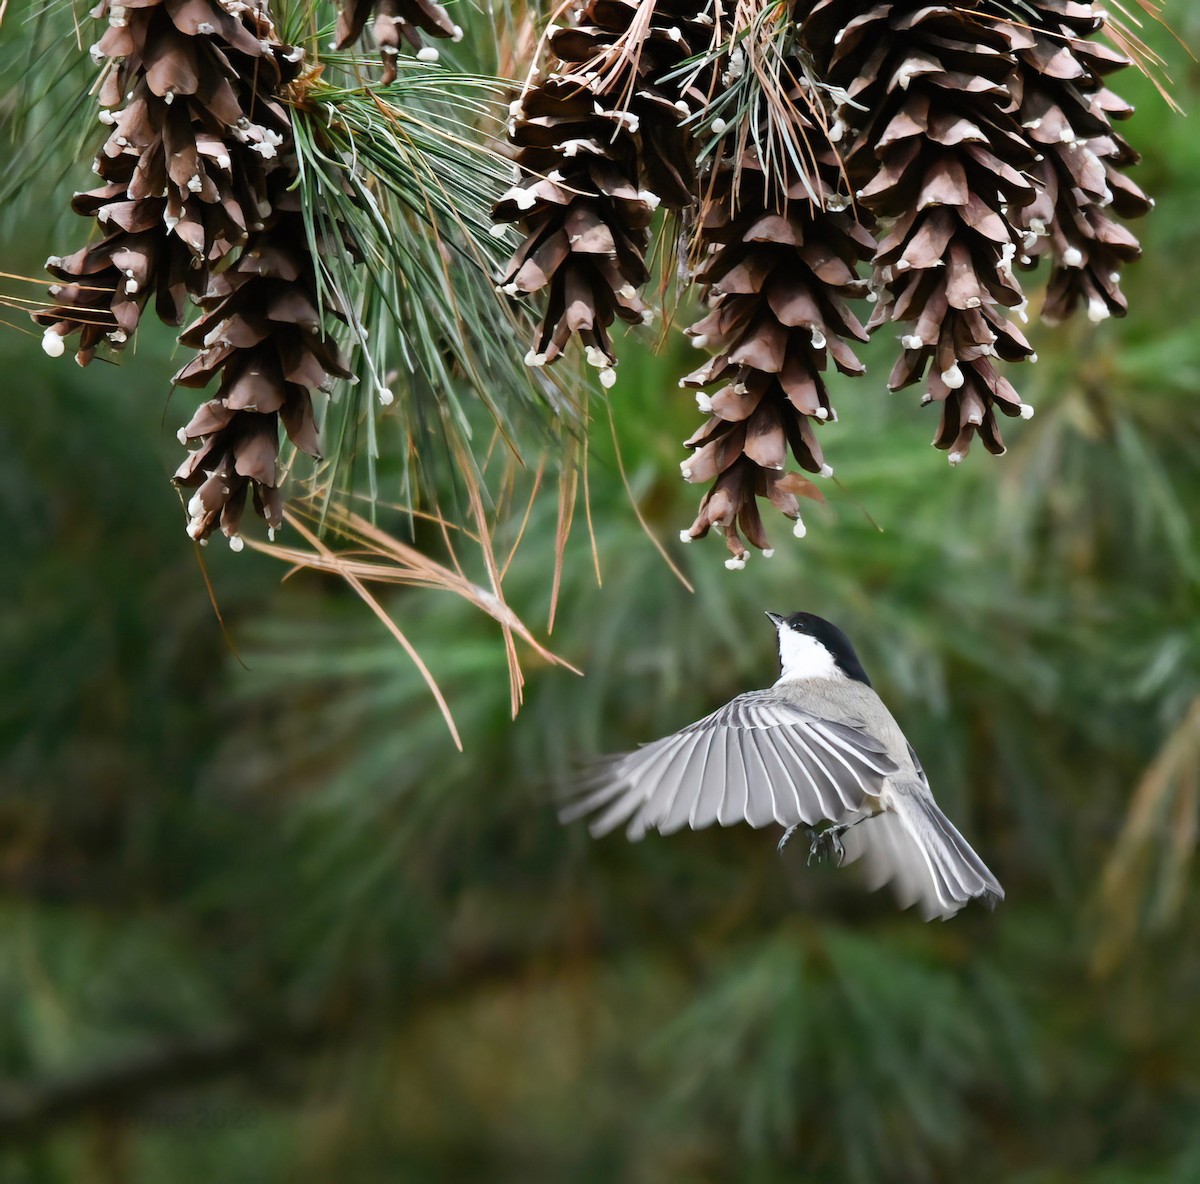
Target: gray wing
x,y
759,759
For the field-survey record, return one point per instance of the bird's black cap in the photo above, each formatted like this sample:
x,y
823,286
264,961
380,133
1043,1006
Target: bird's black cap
x,y
830,636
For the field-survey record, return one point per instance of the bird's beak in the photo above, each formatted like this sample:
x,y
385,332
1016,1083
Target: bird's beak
x,y
776,619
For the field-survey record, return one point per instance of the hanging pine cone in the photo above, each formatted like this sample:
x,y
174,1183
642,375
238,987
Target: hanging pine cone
x,y
184,167
1066,111
780,259
197,171
395,21
599,146
941,158
260,335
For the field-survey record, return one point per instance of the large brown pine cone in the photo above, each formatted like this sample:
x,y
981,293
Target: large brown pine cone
x,y
782,258
197,202
599,144
1066,110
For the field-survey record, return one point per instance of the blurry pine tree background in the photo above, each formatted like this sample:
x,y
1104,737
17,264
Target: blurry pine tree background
x,y
259,919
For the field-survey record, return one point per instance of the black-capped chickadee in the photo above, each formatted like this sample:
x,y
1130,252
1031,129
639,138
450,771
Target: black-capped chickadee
x,y
818,746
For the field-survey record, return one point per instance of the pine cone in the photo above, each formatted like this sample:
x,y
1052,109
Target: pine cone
x,y
395,20
198,171
260,335
184,167
781,263
1066,111
940,157
600,146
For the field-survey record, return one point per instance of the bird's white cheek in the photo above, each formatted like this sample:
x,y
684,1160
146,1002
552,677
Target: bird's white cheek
x,y
802,656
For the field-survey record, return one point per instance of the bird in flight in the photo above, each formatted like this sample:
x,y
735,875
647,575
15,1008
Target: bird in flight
x,y
817,747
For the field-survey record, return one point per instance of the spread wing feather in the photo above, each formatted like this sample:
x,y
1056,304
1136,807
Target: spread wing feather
x,y
759,759
707,803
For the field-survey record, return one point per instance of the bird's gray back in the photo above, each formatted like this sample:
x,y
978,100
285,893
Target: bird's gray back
x,y
847,701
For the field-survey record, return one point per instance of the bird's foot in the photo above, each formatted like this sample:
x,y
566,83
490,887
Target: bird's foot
x,y
827,843
787,834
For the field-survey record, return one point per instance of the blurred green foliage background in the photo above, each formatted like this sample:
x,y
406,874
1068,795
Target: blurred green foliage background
x,y
260,921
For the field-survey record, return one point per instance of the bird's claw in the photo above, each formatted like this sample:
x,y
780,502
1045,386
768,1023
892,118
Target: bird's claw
x,y
822,844
826,843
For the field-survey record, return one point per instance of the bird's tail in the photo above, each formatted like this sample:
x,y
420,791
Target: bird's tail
x,y
917,849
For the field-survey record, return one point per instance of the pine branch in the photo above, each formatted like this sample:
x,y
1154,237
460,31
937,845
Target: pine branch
x,y
399,178
133,1085
125,1087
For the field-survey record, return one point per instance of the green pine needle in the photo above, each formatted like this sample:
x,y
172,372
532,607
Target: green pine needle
x,y
397,183
47,112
